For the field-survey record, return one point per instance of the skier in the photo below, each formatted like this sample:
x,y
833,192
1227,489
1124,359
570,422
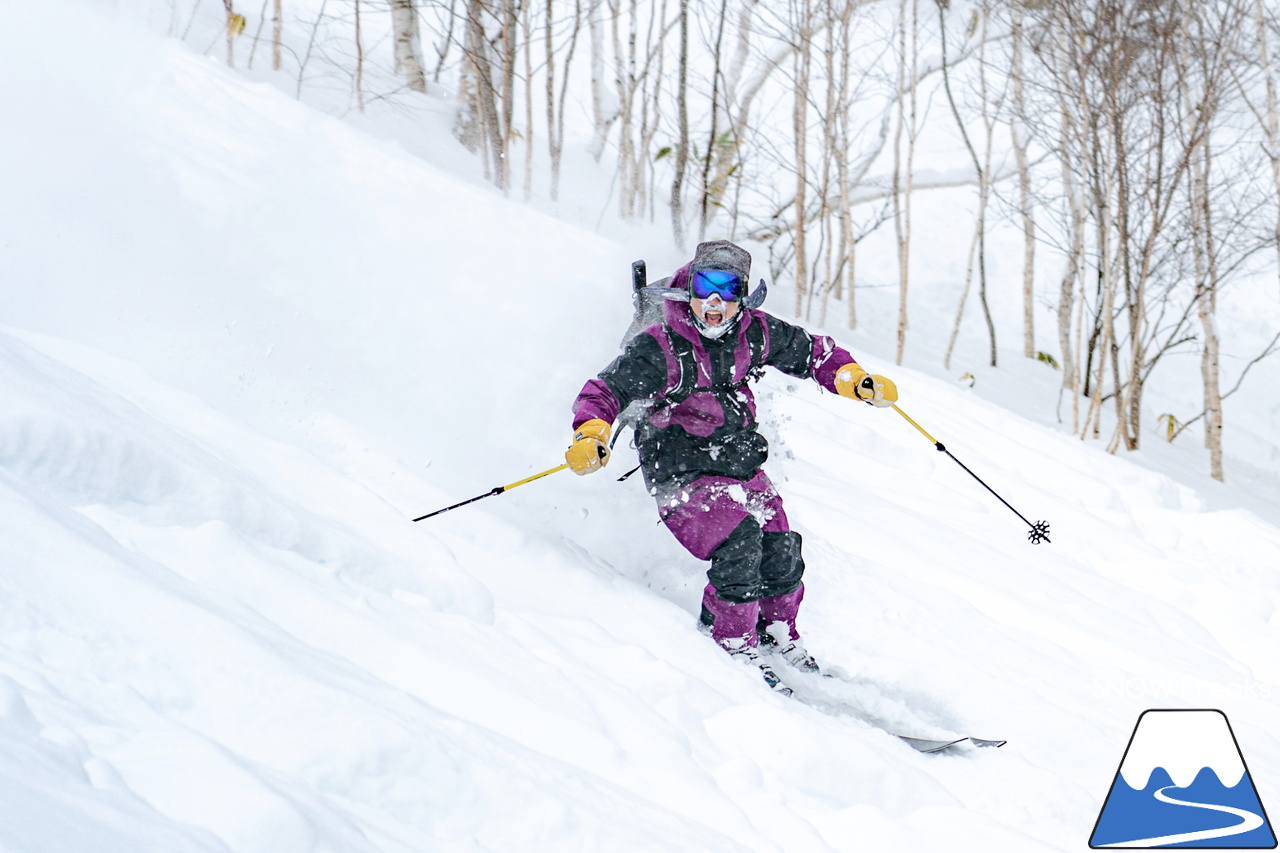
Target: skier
x,y
700,451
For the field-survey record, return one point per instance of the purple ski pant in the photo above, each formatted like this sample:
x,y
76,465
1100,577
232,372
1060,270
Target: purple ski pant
x,y
741,525
735,623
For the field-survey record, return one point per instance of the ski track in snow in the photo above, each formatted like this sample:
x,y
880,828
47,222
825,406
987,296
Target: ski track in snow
x,y
243,343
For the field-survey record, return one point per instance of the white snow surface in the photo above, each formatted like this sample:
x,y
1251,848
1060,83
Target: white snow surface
x,y
242,344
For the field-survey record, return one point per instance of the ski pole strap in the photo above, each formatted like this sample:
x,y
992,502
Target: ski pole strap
x,y
495,491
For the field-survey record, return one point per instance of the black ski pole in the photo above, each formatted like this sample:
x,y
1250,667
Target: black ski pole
x,y
496,491
1039,530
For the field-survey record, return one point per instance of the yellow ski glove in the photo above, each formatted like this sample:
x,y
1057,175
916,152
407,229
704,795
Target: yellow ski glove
x,y
590,448
854,382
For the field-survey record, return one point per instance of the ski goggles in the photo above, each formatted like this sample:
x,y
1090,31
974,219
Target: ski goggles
x,y
729,286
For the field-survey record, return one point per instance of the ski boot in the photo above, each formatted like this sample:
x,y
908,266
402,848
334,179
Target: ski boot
x,y
739,650
775,639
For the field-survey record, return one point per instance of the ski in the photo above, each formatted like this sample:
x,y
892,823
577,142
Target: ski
x,y
831,705
919,744
926,745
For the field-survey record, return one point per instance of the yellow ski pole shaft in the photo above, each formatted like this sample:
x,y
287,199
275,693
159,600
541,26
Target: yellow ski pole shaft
x,y
932,440
496,491
1039,530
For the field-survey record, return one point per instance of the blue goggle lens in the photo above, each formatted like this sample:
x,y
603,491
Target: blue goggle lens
x,y
730,286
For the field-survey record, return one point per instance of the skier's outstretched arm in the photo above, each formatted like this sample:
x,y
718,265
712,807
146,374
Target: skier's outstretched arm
x,y
799,353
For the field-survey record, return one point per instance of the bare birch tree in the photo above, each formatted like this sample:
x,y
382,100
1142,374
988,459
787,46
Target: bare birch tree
x,y
904,173
277,32
682,123
1270,113
800,125
359,82
982,170
556,105
1019,138
408,51
705,205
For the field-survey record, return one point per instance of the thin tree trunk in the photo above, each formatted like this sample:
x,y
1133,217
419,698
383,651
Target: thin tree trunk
x,y
682,119
1070,139
311,43
964,297
830,130
557,147
234,23
1206,264
1271,119
1210,374
983,179
447,40
549,39
508,94
902,184
1206,310
484,129
900,89
404,24
552,141
600,120
625,76
526,27
359,61
1127,393
799,124
1076,371
277,33
257,34
1070,272
984,186
651,111
727,154
1106,317
848,245
1018,134
705,211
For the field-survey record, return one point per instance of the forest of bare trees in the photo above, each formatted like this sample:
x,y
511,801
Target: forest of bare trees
x,y
1132,146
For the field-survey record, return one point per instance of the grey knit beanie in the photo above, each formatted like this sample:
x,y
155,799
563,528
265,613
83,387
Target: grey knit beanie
x,y
722,255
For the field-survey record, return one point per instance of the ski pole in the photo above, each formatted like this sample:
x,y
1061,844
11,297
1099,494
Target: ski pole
x,y
496,491
1039,530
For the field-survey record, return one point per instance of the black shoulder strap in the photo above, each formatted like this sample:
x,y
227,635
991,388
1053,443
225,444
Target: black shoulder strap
x,y
755,340
755,364
687,381
687,362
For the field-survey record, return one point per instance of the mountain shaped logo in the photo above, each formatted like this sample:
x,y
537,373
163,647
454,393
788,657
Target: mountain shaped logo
x,y
1183,783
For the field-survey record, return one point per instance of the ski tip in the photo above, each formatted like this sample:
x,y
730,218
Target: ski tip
x,y
926,745
987,744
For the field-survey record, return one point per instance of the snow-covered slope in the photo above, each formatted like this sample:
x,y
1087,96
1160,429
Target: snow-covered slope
x,y
241,345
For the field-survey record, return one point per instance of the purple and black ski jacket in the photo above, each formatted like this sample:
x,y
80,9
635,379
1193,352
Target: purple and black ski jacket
x,y
701,416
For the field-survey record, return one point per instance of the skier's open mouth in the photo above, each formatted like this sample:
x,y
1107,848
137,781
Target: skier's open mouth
x,y
713,318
